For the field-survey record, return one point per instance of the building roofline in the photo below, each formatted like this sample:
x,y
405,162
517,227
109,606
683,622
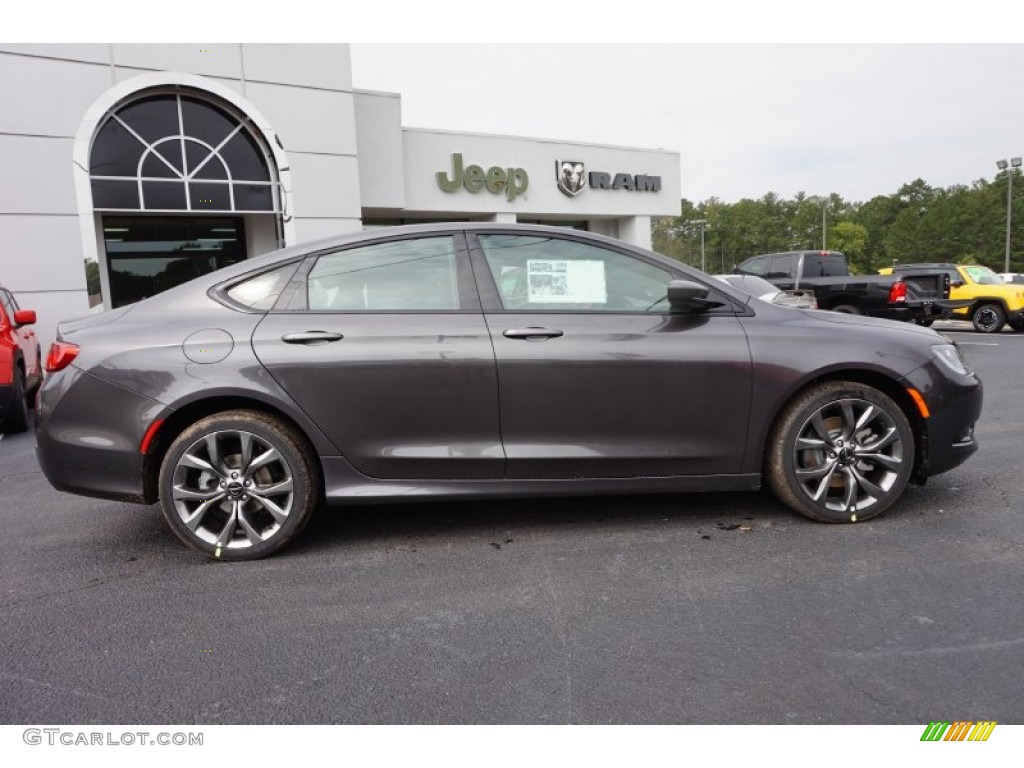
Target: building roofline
x,y
595,145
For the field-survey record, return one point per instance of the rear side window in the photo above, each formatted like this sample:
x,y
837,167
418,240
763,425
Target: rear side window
x,y
261,292
401,275
782,266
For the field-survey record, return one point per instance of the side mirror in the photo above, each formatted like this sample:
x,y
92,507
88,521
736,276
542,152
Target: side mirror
x,y
24,317
688,297
957,284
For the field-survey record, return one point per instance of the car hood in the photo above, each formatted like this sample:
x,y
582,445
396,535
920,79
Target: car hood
x,y
840,318
1011,291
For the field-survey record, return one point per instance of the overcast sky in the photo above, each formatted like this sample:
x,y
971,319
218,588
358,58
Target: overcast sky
x,y
859,120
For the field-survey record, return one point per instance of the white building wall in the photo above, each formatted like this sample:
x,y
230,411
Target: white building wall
x,y
305,91
381,153
42,257
347,153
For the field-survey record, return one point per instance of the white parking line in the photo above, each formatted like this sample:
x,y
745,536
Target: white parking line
x,y
978,343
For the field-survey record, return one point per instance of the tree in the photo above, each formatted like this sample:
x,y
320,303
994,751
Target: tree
x,y
851,239
92,277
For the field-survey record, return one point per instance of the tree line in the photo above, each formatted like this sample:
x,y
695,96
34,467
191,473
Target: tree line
x,y
919,223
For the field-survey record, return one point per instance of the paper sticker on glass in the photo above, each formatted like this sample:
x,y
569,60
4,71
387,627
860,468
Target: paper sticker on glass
x,y
561,281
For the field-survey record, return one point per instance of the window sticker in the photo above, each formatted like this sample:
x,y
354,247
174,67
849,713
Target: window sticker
x,y
560,281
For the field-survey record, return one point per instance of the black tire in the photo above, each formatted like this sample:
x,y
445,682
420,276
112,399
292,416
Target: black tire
x,y
851,481
1017,325
847,309
17,416
31,394
239,508
988,318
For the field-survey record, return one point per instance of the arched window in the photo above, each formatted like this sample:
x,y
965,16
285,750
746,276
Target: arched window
x,y
174,152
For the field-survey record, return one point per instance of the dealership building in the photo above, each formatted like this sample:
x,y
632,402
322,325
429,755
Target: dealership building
x,y
161,162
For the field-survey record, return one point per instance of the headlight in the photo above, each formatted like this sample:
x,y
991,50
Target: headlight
x,y
949,355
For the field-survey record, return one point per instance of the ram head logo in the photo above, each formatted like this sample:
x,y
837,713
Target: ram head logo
x,y
571,176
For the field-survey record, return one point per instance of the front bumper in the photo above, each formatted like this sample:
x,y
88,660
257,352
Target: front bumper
x,y
955,406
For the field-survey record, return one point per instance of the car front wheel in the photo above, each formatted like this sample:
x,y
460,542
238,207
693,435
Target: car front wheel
x,y
238,485
17,416
842,452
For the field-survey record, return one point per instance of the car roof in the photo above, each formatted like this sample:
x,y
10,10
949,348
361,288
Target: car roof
x,y
300,250
801,253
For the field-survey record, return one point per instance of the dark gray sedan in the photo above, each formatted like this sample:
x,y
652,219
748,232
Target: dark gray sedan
x,y
444,361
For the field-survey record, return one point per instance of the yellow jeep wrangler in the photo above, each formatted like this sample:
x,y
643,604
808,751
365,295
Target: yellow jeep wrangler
x,y
993,302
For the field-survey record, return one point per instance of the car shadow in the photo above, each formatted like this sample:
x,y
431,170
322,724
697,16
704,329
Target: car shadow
x,y
397,524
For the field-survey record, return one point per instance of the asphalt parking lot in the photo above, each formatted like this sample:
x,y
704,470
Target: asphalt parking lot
x,y
721,608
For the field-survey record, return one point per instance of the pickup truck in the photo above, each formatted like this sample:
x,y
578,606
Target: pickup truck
x,y
984,297
917,295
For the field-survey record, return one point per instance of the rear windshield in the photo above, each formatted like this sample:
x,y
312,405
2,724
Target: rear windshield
x,y
825,266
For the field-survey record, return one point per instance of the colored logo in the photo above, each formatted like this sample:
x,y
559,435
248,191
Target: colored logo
x,y
961,730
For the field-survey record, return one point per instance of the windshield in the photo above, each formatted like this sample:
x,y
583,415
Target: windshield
x,y
983,276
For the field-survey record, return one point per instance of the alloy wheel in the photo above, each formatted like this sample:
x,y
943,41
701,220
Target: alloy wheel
x,y
848,455
233,489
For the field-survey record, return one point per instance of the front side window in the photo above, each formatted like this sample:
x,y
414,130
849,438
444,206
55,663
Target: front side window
x,y
403,275
755,266
6,308
537,273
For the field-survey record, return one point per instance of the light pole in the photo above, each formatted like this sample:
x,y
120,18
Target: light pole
x,y
824,225
1002,165
703,223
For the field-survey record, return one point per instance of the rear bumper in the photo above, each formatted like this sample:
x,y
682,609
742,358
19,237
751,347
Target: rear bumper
x,y
88,433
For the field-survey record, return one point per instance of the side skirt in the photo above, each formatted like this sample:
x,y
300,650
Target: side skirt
x,y
343,484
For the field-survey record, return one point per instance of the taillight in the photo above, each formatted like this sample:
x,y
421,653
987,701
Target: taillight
x,y
898,293
60,356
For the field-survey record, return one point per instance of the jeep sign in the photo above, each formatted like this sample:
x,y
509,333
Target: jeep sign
x,y
512,181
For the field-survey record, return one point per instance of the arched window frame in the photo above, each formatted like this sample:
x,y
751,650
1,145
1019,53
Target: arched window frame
x,y
186,177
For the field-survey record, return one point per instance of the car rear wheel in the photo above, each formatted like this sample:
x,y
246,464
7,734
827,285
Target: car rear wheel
x,y
841,453
17,416
238,485
847,309
988,318
1017,325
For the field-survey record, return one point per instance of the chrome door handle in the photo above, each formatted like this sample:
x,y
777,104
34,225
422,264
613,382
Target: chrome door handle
x,y
532,333
311,337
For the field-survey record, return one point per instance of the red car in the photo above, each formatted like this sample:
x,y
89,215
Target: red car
x,y
21,365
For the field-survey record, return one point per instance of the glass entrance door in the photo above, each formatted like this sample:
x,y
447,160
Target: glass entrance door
x,y
149,254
